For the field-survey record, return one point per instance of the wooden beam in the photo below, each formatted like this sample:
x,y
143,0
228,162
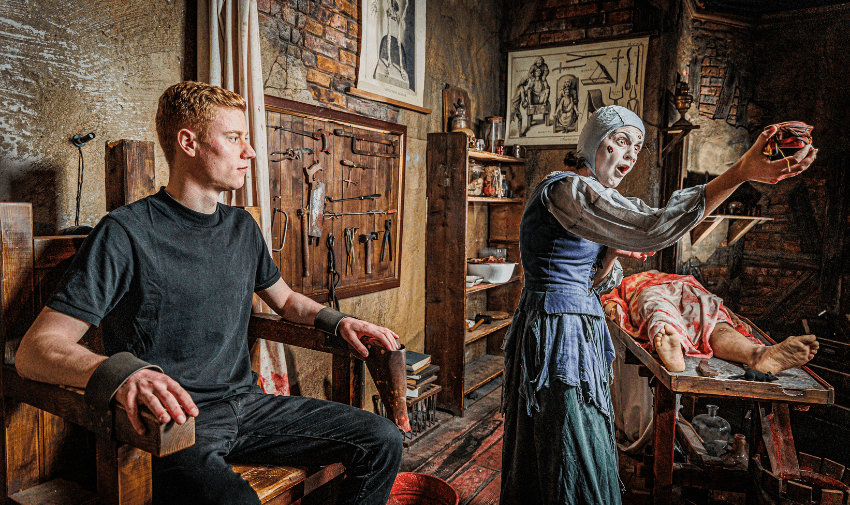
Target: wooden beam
x,y
702,230
20,445
737,229
130,172
378,98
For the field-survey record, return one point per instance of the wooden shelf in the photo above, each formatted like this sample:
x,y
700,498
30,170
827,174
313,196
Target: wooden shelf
x,y
482,371
486,329
486,285
488,156
738,229
467,359
490,199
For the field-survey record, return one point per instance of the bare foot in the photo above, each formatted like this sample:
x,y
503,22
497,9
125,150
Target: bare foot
x,y
791,352
668,344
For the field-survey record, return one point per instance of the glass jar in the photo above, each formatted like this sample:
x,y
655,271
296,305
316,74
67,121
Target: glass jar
x,y
494,131
716,433
475,185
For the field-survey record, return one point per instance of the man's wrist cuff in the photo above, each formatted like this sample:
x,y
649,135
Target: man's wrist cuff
x,y
110,376
328,319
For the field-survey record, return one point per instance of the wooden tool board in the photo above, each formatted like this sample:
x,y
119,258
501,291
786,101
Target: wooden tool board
x,y
289,192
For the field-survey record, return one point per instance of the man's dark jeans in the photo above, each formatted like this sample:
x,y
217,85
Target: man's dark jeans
x,y
256,428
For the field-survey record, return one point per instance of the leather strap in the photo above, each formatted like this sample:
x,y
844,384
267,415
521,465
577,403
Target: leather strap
x,y
328,319
111,375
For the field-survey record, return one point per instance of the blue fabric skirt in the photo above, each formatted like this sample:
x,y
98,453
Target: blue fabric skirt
x,y
559,445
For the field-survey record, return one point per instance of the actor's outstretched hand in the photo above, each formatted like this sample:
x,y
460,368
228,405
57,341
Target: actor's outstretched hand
x,y
757,167
352,330
640,256
160,393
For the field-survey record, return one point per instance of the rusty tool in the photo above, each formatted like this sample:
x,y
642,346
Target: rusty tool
x,y
339,132
481,319
285,225
348,182
291,154
355,165
387,244
334,215
316,205
362,197
316,135
305,242
348,233
333,275
367,239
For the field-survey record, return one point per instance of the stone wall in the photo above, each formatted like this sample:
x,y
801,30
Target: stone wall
x,y
74,67
777,77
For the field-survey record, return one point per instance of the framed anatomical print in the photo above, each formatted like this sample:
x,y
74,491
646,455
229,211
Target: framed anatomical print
x,y
552,91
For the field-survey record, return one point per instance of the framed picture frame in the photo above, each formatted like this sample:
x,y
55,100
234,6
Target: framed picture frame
x,y
552,91
392,51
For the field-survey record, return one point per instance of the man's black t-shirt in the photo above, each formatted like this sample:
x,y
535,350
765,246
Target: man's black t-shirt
x,y
173,287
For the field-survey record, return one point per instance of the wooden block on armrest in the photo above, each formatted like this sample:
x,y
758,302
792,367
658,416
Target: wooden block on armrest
x,y
159,439
69,404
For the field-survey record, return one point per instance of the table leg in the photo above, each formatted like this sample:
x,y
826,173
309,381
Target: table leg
x,y
665,432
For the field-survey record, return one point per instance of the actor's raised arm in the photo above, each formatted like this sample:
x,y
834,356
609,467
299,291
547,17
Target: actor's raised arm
x,y
755,166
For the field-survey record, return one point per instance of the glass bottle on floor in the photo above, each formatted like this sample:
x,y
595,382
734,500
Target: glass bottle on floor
x,y
715,431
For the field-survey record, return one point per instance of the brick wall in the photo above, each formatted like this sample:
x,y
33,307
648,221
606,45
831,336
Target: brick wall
x,y
574,20
324,35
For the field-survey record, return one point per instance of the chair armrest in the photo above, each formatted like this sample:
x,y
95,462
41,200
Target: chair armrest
x,y
69,404
273,327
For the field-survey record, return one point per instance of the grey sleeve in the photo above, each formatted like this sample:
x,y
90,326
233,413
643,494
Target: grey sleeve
x,y
586,208
614,278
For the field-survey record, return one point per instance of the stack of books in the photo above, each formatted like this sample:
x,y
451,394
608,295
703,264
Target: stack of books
x,y
420,373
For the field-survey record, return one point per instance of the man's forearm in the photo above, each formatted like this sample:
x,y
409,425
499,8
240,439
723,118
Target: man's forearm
x,y
50,352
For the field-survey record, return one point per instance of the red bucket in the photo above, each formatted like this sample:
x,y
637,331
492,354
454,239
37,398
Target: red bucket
x,y
421,489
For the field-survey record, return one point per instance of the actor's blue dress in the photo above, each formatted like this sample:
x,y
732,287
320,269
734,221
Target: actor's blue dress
x,y
559,445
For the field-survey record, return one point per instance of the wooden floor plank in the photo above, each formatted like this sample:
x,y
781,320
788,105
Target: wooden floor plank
x,y
451,429
490,495
492,457
474,442
469,482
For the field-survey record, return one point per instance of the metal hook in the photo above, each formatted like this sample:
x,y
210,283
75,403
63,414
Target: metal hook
x,y
285,226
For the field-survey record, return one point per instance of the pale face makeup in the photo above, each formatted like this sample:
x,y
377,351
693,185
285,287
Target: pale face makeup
x,y
617,155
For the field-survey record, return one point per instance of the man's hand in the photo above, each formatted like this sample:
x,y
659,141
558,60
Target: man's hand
x,y
640,256
160,393
757,167
353,329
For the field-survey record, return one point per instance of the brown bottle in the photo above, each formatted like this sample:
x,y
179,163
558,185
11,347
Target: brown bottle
x,y
737,456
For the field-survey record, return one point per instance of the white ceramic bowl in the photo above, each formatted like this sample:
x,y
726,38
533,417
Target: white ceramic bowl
x,y
491,272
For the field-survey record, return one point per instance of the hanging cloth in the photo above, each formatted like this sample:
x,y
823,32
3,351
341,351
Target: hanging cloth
x,y
229,56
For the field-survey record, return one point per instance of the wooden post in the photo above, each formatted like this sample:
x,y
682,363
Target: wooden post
x,y
665,434
130,172
123,474
21,445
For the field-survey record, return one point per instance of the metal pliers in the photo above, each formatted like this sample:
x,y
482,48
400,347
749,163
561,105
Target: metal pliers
x,y
387,244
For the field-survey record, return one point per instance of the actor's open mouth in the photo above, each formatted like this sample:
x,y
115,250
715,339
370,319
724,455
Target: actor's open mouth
x,y
623,169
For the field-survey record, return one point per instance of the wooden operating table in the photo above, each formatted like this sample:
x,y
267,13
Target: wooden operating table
x,y
798,386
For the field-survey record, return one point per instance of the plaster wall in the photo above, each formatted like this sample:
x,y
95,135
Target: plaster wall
x,y
71,68
74,67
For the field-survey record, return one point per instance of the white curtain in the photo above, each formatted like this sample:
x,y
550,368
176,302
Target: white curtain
x,y
229,56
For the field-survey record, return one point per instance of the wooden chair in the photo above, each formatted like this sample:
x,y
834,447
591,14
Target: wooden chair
x,y
57,450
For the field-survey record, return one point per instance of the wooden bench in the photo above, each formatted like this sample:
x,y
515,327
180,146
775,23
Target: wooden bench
x,y
55,449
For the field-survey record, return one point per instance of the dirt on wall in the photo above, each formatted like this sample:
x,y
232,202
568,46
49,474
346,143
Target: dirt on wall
x,y
72,68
